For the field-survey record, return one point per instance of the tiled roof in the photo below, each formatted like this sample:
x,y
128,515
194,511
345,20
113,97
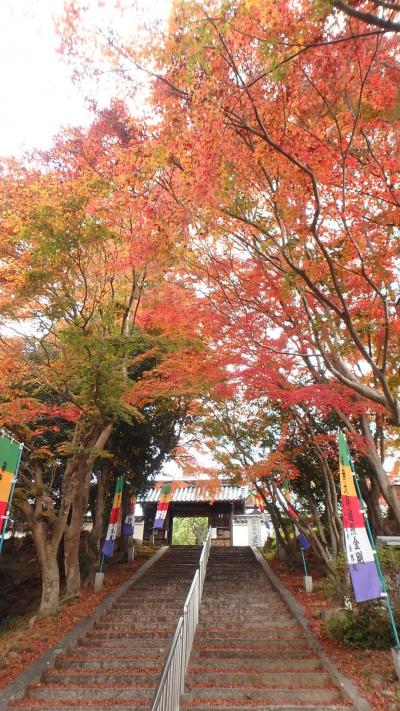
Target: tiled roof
x,y
199,492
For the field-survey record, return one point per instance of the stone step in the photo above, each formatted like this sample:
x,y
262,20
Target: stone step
x,y
150,613
200,665
69,694
235,615
284,679
240,608
258,697
229,573
278,633
134,664
170,593
137,605
179,598
96,652
250,653
138,645
135,627
139,705
141,616
243,624
236,604
169,581
111,632
279,707
128,636
225,573
179,574
129,677
268,654
227,586
140,622
232,645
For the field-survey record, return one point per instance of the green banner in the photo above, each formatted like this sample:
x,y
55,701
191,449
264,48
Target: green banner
x,y
10,455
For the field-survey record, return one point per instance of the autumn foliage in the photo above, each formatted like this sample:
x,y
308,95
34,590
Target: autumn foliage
x,y
235,250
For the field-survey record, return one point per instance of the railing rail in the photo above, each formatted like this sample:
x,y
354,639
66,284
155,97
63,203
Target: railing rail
x,y
169,687
172,680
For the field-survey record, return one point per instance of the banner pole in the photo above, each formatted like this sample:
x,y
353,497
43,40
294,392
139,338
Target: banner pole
x,y
372,542
10,499
304,561
101,564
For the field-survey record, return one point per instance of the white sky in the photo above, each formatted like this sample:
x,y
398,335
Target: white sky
x,y
37,94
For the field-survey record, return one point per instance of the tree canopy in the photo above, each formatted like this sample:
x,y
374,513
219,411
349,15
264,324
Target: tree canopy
x,y
223,264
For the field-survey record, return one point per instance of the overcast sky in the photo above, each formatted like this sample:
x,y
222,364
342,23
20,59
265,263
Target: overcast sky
x,y
38,96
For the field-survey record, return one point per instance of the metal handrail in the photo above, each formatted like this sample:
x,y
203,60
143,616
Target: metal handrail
x,y
169,687
172,680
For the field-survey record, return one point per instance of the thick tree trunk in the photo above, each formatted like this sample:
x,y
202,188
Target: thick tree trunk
x,y
72,538
47,554
47,528
50,584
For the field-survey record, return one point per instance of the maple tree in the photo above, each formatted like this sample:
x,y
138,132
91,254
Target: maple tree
x,y
288,140
304,179
85,264
279,137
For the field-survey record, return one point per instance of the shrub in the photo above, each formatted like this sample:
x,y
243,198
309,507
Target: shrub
x,y
367,624
366,627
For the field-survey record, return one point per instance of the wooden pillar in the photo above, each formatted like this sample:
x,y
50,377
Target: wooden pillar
x,y
232,514
170,517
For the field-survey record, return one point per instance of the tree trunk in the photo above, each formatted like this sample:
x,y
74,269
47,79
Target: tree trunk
x,y
388,492
47,528
47,554
50,583
125,509
315,514
371,497
93,544
95,438
72,538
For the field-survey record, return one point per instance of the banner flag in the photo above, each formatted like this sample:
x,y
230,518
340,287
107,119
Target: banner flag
x,y
259,501
129,523
360,556
303,542
10,455
162,508
109,543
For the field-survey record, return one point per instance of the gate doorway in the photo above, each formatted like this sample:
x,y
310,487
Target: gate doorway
x,y
189,530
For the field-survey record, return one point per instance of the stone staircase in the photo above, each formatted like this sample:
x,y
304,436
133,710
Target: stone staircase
x,y
249,652
118,663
